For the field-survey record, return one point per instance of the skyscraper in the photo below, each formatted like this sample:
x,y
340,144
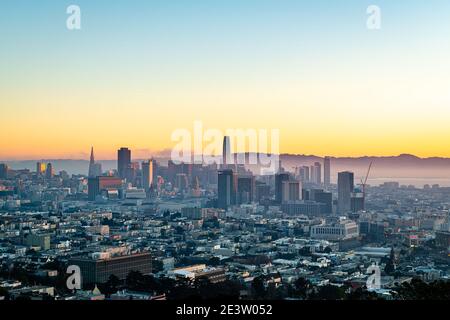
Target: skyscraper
x,y
95,169
327,172
40,168
304,174
279,179
123,162
147,174
345,189
49,171
246,189
226,188
318,195
317,173
291,191
226,153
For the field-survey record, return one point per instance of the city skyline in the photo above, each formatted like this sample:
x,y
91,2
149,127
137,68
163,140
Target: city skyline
x,y
137,71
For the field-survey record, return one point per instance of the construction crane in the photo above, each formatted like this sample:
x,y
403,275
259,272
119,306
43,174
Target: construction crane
x,y
364,183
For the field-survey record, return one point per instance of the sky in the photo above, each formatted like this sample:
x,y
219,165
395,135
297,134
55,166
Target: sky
x,y
139,70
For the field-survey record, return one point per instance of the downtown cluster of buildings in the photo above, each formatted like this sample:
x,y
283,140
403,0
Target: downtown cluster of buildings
x,y
218,222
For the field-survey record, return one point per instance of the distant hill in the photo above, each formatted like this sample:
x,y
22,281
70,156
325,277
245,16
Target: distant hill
x,y
386,168
404,166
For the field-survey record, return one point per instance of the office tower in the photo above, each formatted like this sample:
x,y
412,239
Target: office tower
x,y
291,191
226,153
4,171
312,174
40,168
97,269
316,173
246,189
345,189
131,172
327,172
304,174
49,171
320,196
100,185
147,174
123,162
226,188
357,201
279,179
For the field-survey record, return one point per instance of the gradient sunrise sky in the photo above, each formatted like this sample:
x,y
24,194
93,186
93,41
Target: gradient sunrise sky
x,y
138,70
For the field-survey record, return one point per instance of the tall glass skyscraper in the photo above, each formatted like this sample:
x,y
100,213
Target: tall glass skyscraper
x,y
327,172
227,185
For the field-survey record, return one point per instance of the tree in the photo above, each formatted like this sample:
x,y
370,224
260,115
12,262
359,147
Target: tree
x,y
389,269
327,250
330,292
362,294
112,285
420,290
258,288
302,287
135,281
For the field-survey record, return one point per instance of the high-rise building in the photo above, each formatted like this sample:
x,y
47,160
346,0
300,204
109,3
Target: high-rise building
x,y
40,168
291,191
147,174
49,171
226,188
246,189
123,162
316,173
327,172
4,171
132,172
91,164
226,153
345,189
279,179
304,174
95,169
357,201
320,196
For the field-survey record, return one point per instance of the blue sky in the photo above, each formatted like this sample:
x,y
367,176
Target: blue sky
x,y
269,60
